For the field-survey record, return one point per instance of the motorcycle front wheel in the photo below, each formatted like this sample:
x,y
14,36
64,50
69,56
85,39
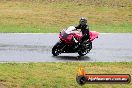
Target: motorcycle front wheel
x,y
55,52
55,49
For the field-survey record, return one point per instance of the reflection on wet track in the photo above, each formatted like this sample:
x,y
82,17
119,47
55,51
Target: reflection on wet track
x,y
24,47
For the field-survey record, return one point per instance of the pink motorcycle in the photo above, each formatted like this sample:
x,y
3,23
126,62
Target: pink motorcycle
x,y
66,44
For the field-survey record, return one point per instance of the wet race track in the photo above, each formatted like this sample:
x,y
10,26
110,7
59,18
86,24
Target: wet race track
x,y
26,47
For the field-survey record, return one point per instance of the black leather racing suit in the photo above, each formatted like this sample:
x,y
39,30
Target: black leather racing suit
x,y
85,32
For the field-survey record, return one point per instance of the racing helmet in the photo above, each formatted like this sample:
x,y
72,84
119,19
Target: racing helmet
x,y
83,21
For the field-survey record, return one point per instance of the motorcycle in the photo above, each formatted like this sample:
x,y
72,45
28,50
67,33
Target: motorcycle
x,y
66,44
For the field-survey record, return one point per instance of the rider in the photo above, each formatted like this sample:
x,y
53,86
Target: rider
x,y
84,28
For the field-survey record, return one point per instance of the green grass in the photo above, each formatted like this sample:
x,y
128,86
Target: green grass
x,y
37,16
27,29
58,75
123,28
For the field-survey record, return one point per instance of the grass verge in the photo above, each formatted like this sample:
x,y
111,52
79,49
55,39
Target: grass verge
x,y
37,16
58,75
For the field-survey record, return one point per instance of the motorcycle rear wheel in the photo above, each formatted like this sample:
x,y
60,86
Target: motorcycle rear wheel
x,y
84,51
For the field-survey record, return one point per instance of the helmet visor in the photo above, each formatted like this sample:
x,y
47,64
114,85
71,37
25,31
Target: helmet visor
x,y
83,22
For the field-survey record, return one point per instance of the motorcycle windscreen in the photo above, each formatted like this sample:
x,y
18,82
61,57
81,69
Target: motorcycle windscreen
x,y
64,35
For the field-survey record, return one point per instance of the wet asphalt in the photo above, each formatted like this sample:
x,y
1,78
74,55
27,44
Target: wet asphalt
x,y
28,47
